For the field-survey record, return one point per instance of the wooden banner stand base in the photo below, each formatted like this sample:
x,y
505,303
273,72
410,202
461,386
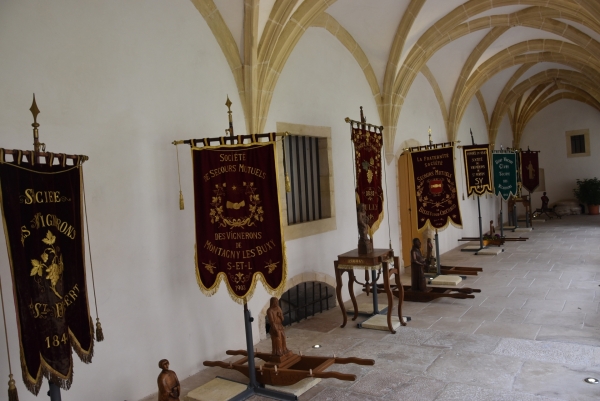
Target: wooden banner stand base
x,y
284,370
461,271
254,388
432,293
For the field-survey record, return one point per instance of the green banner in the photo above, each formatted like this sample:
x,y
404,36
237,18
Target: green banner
x,y
505,174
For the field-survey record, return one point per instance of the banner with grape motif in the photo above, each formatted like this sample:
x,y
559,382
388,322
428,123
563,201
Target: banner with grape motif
x,y
367,156
43,224
238,228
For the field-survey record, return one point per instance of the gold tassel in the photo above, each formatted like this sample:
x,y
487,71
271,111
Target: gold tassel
x,y
288,185
12,389
181,207
99,333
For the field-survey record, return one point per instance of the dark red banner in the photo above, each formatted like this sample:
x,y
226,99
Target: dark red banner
x,y
530,170
367,156
41,206
435,188
238,228
477,169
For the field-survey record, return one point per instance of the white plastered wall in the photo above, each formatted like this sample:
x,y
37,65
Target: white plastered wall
x,y
546,133
119,81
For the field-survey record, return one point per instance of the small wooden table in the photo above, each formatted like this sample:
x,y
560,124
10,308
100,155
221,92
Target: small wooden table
x,y
373,261
524,199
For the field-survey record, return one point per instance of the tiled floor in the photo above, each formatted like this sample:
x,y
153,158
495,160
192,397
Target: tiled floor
x,y
532,334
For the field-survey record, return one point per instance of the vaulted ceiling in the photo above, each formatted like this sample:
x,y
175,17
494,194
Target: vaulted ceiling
x,y
514,56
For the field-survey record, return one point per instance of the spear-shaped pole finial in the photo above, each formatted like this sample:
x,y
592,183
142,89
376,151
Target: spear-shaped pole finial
x,y
230,129
430,140
363,119
36,136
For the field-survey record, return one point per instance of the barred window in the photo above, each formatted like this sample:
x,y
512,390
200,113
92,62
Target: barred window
x,y
304,166
578,144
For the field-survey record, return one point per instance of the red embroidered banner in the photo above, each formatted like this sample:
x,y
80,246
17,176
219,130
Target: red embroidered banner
x,y
477,169
530,170
238,227
435,188
41,207
367,156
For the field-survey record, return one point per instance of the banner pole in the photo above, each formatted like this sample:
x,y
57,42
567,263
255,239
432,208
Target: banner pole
x,y
478,205
248,319
437,253
526,213
54,392
480,226
501,218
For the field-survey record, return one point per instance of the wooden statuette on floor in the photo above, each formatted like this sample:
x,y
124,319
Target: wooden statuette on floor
x,y
168,384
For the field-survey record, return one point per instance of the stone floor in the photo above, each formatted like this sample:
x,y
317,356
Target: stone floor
x,y
532,334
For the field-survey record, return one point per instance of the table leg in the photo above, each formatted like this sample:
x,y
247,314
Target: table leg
x,y
351,291
400,289
338,292
375,300
388,291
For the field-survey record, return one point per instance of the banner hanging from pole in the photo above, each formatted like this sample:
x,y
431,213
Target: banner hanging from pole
x,y
435,188
505,173
530,170
238,228
477,169
367,156
43,224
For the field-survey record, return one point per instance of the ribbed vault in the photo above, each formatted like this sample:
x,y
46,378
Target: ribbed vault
x,y
577,22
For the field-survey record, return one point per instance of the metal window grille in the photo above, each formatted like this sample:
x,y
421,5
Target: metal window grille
x,y
305,300
303,168
578,144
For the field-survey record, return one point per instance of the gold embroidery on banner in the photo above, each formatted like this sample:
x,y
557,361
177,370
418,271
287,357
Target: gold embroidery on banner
x,y
271,266
235,206
56,267
240,278
216,212
210,267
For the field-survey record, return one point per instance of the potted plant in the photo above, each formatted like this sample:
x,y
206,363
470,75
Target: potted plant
x,y
588,193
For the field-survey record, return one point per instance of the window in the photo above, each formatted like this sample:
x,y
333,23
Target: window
x,y
303,169
578,143
308,208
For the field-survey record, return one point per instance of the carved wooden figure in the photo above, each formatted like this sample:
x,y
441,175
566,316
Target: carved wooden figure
x,y
365,244
419,292
168,384
417,266
277,332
